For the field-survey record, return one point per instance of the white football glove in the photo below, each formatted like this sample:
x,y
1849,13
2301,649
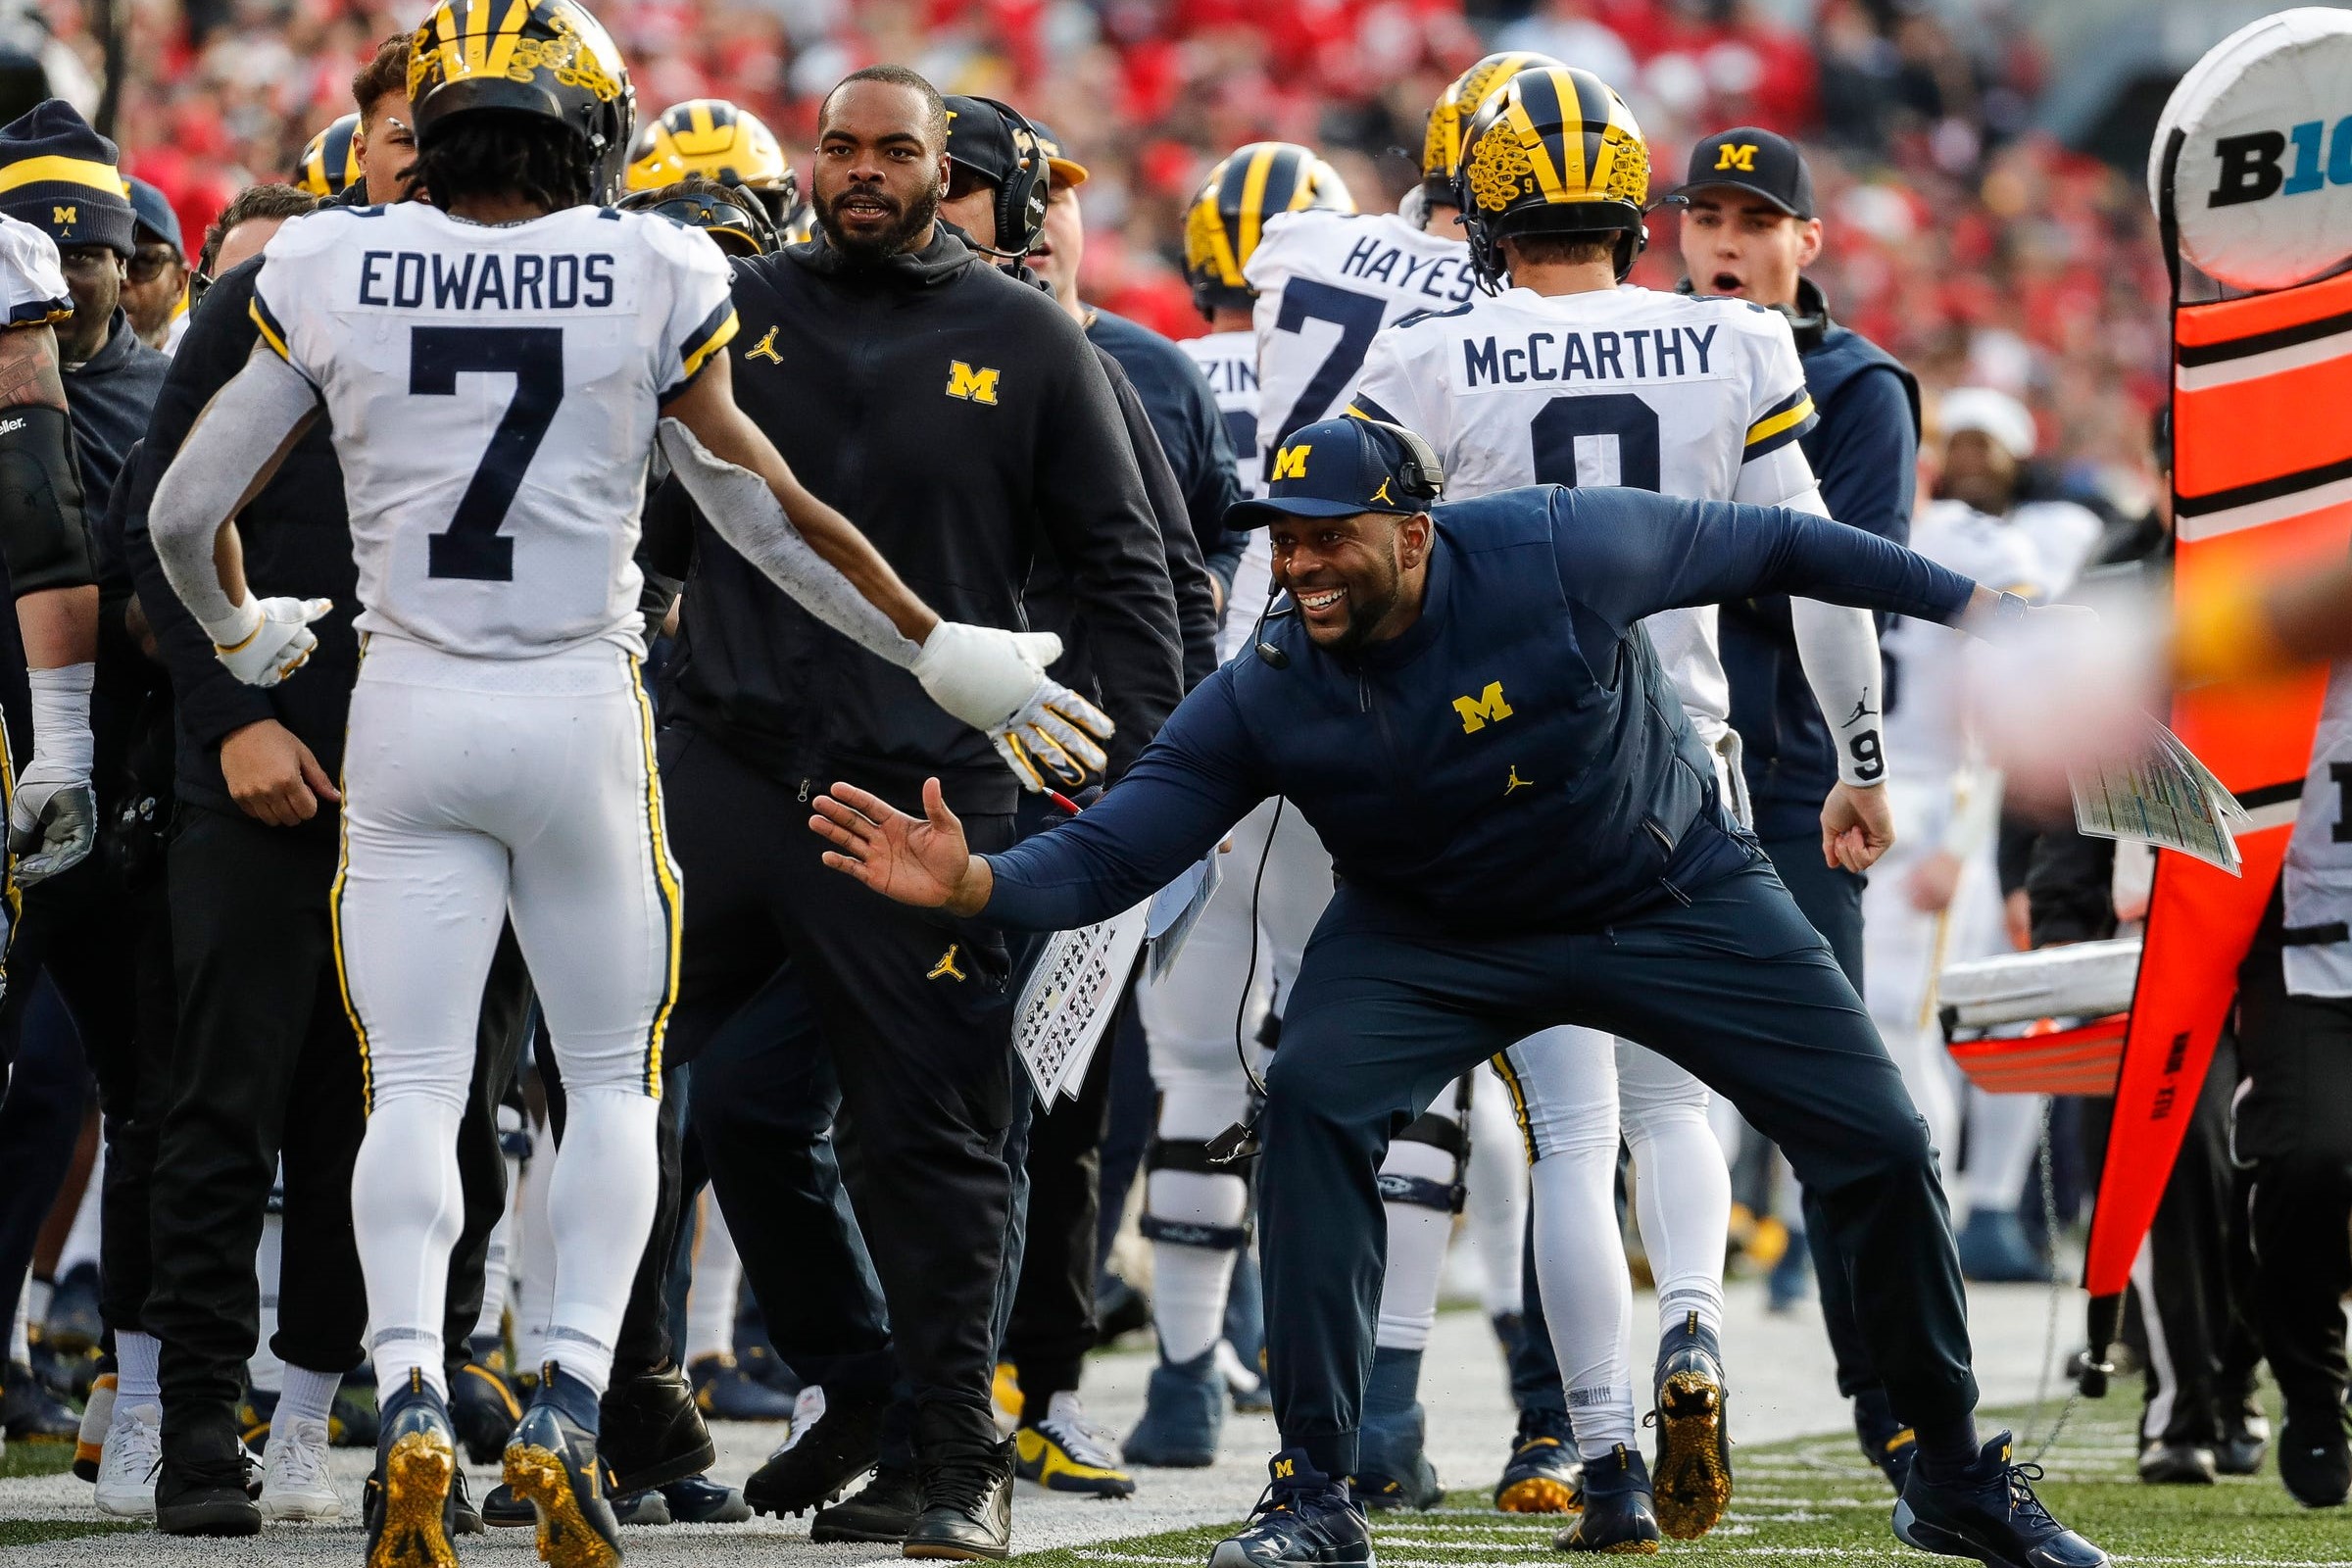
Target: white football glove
x,y
995,680
269,639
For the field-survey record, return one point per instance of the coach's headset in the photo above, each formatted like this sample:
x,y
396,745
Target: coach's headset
x,y
1424,479
1021,194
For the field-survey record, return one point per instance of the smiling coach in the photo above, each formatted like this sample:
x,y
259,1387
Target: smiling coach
x,y
961,419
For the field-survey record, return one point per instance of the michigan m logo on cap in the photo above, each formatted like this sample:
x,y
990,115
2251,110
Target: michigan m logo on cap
x,y
64,216
973,386
1740,156
1290,462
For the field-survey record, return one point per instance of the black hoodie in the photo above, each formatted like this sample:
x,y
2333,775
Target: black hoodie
x,y
961,419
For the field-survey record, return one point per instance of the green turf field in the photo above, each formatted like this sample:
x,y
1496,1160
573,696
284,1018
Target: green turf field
x,y
1815,1501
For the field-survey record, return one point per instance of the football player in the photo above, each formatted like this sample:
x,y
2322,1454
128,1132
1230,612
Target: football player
x,y
495,361
719,141
1566,377
330,161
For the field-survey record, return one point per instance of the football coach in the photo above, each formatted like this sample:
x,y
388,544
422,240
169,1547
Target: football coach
x,y
963,421
1526,833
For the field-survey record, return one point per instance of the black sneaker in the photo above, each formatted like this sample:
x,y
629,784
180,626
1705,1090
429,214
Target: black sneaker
x,y
1619,1515
1304,1519
204,1497
700,1500
1541,1475
885,1509
1886,1441
1694,1472
650,1432
2176,1464
465,1518
502,1509
408,1508
2314,1459
2245,1438
551,1464
1988,1511
823,1455
484,1412
967,1508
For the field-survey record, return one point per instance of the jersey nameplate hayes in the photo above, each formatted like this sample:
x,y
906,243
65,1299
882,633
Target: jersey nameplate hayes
x,y
503,384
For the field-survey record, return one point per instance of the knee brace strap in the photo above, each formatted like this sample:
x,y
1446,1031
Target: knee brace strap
x,y
1437,1132
42,538
1186,1154
1193,1233
1421,1193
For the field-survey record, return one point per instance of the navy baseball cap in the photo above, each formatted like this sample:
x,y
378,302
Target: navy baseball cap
x,y
152,214
1339,468
1759,162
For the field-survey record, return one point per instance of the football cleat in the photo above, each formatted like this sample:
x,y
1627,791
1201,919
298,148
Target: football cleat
x,y
884,1509
967,1508
724,1390
1391,1464
1062,1454
835,1439
89,1445
410,1520
2176,1464
551,1464
1694,1471
29,1412
132,1454
1617,1516
2245,1438
484,1412
1543,1475
1988,1511
1304,1519
75,1323
1184,1410
1886,1441
2314,1459
700,1500
294,1479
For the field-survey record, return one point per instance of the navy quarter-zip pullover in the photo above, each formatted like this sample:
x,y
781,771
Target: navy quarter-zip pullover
x,y
1515,757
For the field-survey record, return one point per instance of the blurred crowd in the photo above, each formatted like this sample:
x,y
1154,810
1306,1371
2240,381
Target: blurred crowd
x,y
1979,251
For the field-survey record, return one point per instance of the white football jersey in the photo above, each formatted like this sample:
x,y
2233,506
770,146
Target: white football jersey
x,y
1230,361
2318,879
33,281
1327,282
493,392
1683,394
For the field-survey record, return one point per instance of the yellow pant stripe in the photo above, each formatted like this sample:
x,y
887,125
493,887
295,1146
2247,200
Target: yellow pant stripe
x,y
666,877
1510,1081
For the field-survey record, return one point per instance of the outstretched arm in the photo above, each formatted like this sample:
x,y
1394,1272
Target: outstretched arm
x,y
238,441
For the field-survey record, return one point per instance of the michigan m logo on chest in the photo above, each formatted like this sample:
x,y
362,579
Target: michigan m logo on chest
x,y
973,386
1487,708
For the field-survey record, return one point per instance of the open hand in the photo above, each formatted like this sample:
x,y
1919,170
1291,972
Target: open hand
x,y
922,861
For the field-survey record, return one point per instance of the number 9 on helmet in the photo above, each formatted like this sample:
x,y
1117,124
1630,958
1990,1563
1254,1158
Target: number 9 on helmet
x,y
1552,151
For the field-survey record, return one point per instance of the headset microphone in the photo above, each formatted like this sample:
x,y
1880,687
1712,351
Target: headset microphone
x,y
1274,657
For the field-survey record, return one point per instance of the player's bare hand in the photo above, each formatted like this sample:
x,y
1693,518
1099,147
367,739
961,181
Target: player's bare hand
x,y
1932,882
924,861
273,777
1856,826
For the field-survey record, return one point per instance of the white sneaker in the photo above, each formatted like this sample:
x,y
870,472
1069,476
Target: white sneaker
x,y
134,1450
294,1483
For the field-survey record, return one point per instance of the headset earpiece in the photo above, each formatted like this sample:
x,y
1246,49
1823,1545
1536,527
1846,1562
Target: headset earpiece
x,y
1021,198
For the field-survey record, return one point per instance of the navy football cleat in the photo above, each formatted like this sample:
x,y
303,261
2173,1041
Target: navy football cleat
x,y
1886,1441
410,1516
1618,1516
1303,1520
551,1463
1694,1472
1541,1475
1988,1511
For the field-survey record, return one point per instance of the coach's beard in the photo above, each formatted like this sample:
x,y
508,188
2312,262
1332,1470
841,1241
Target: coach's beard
x,y
872,245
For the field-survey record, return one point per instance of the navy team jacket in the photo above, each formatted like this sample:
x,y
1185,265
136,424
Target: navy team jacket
x,y
1515,757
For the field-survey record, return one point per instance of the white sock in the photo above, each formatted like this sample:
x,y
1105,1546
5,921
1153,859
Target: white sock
x,y
1497,1192
20,1333
2004,1134
491,1320
308,1393
534,1277
137,1381
718,1282
1189,1284
1684,1196
263,1368
85,1237
1587,1295
1417,1238
407,1208
599,1208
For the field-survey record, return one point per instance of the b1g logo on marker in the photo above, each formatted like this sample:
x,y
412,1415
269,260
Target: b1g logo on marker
x,y
2255,166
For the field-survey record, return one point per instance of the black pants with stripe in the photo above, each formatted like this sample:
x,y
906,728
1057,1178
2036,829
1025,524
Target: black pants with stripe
x,y
910,1013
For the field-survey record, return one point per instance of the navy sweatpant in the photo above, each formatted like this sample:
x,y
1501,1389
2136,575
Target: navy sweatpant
x,y
1736,987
